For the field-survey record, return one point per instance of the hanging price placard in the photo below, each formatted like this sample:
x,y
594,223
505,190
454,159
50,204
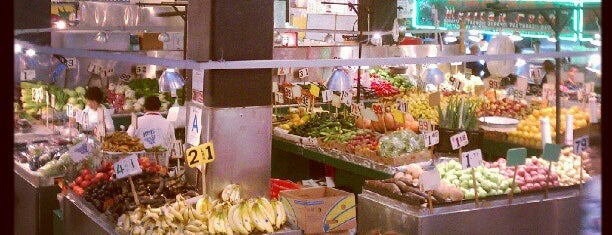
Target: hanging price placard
x,y
302,73
326,96
356,109
492,84
581,144
202,154
431,138
346,98
402,105
283,71
28,75
471,159
71,63
141,69
278,98
127,166
459,140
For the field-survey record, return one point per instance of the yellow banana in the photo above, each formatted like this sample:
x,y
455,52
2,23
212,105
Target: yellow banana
x,y
256,218
211,225
219,224
267,209
176,214
244,215
198,215
192,228
280,213
235,221
227,190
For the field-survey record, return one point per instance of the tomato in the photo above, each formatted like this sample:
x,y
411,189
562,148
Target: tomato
x,y
100,175
85,183
95,180
88,177
108,165
85,171
78,180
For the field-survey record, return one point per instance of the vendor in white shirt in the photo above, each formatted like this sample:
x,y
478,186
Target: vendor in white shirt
x,y
153,129
96,113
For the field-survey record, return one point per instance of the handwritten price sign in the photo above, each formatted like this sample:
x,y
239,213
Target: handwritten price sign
x,y
471,159
127,166
459,140
202,154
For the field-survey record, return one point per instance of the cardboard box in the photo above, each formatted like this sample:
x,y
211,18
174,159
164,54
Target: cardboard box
x,y
320,209
149,41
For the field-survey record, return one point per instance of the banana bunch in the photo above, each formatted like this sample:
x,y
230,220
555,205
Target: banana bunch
x,y
247,216
174,218
231,193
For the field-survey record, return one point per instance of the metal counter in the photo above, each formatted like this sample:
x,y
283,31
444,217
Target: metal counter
x,y
35,200
80,217
528,214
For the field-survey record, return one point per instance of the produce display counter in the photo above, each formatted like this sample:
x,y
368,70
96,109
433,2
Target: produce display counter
x,y
529,213
35,200
80,217
350,170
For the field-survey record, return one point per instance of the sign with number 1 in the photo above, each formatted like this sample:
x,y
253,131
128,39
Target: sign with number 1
x,y
459,140
471,159
199,155
127,166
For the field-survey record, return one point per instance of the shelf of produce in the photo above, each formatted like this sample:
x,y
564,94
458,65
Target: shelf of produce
x,y
337,159
80,217
528,214
35,200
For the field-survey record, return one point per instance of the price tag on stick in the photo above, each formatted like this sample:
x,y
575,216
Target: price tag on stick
x,y
202,154
326,96
471,159
424,125
551,153
431,138
28,75
127,166
516,157
402,106
369,114
278,98
141,69
302,73
581,144
71,63
430,180
459,140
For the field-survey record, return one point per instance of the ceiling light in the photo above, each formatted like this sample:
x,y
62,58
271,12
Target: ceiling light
x,y
376,39
60,24
450,37
18,48
170,80
339,81
101,37
433,75
163,37
30,52
516,36
552,39
474,38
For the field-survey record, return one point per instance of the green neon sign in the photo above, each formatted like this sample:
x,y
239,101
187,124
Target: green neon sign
x,y
530,25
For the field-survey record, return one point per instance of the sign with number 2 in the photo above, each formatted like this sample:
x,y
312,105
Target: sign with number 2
x,y
202,154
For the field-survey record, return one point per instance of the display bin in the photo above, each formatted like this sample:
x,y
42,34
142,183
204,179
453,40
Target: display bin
x,y
58,222
35,200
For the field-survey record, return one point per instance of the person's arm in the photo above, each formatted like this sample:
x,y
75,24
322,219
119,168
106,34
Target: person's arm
x,y
108,121
130,130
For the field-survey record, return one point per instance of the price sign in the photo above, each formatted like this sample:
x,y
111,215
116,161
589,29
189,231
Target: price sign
x,y
424,125
52,100
459,140
71,63
98,69
282,71
92,67
336,102
430,179
125,78
369,114
274,86
109,72
581,144
177,149
69,110
202,154
516,156
127,166
551,152
278,98
141,69
431,138
302,73
28,75
296,91
519,94
521,85
492,84
79,151
305,100
402,105
357,108
471,159
346,98
314,90
37,95
47,97
326,96
378,108
288,92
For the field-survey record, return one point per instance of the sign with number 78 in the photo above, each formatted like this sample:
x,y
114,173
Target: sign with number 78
x,y
201,154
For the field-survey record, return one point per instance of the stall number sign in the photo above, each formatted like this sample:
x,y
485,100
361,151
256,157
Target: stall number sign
x,y
346,98
326,96
471,159
492,84
356,109
283,71
302,73
402,106
424,125
431,138
127,166
459,140
79,151
430,180
581,144
278,98
199,155
28,75
71,63
141,69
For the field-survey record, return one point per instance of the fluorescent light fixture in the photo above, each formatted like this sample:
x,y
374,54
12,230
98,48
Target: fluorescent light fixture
x,y
101,37
30,52
456,63
552,39
596,41
170,80
18,48
450,37
60,24
474,38
376,39
516,36
520,62
163,37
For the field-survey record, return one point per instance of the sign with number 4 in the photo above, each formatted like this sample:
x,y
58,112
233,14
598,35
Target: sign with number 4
x,y
471,159
459,140
431,138
199,155
127,166
581,144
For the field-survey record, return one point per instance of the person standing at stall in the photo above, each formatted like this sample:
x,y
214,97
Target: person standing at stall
x,y
153,129
478,69
96,118
549,72
571,86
